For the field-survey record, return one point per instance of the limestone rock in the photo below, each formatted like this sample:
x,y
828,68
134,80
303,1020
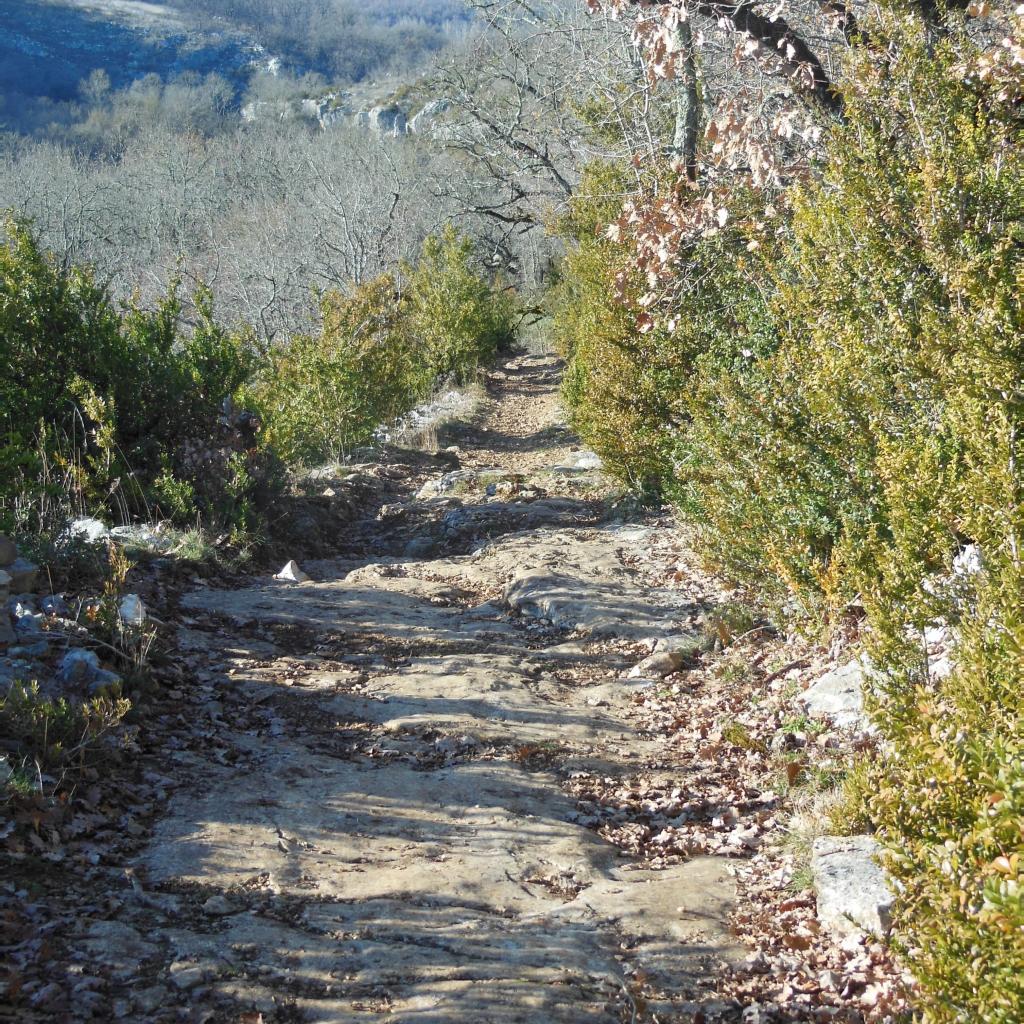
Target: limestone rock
x,y
420,547
90,530
218,906
601,607
388,121
685,644
185,975
967,561
424,120
118,946
853,895
463,479
839,695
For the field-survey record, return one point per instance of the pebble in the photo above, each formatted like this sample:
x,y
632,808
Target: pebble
x,y
218,906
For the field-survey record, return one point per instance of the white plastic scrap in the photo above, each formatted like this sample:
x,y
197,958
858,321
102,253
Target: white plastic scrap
x,y
291,573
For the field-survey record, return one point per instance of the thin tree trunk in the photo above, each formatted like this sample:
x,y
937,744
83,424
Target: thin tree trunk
x,y
684,144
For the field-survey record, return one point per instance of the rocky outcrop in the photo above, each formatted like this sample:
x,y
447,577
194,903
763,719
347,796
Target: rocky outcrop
x,y
425,121
388,120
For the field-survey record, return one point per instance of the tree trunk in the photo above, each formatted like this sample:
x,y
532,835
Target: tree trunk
x,y
684,144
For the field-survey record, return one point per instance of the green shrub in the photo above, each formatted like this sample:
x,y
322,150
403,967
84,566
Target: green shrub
x,y
56,734
628,382
615,388
459,319
882,435
380,350
95,403
323,395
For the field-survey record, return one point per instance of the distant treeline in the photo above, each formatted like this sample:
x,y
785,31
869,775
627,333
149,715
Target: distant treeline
x,y
343,39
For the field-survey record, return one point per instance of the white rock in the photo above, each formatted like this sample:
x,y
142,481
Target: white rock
x,y
589,460
853,894
291,573
839,695
689,646
967,561
185,975
88,529
132,610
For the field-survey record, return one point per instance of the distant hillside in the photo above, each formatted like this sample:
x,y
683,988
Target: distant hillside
x,y
48,47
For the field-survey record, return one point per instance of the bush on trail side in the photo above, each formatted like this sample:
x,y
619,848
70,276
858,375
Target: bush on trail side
x,y
99,409
840,411
126,414
380,351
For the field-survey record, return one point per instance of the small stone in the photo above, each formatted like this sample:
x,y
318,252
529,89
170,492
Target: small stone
x,y
589,461
657,666
291,573
687,646
830,981
8,551
132,610
218,906
186,975
79,666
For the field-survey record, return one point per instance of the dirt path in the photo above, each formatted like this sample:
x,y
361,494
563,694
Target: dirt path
x,y
379,823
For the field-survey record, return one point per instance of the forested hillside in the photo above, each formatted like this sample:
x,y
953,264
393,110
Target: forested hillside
x,y
772,613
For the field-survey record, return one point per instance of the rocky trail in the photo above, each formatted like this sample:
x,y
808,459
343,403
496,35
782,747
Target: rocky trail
x,y
509,755
379,822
